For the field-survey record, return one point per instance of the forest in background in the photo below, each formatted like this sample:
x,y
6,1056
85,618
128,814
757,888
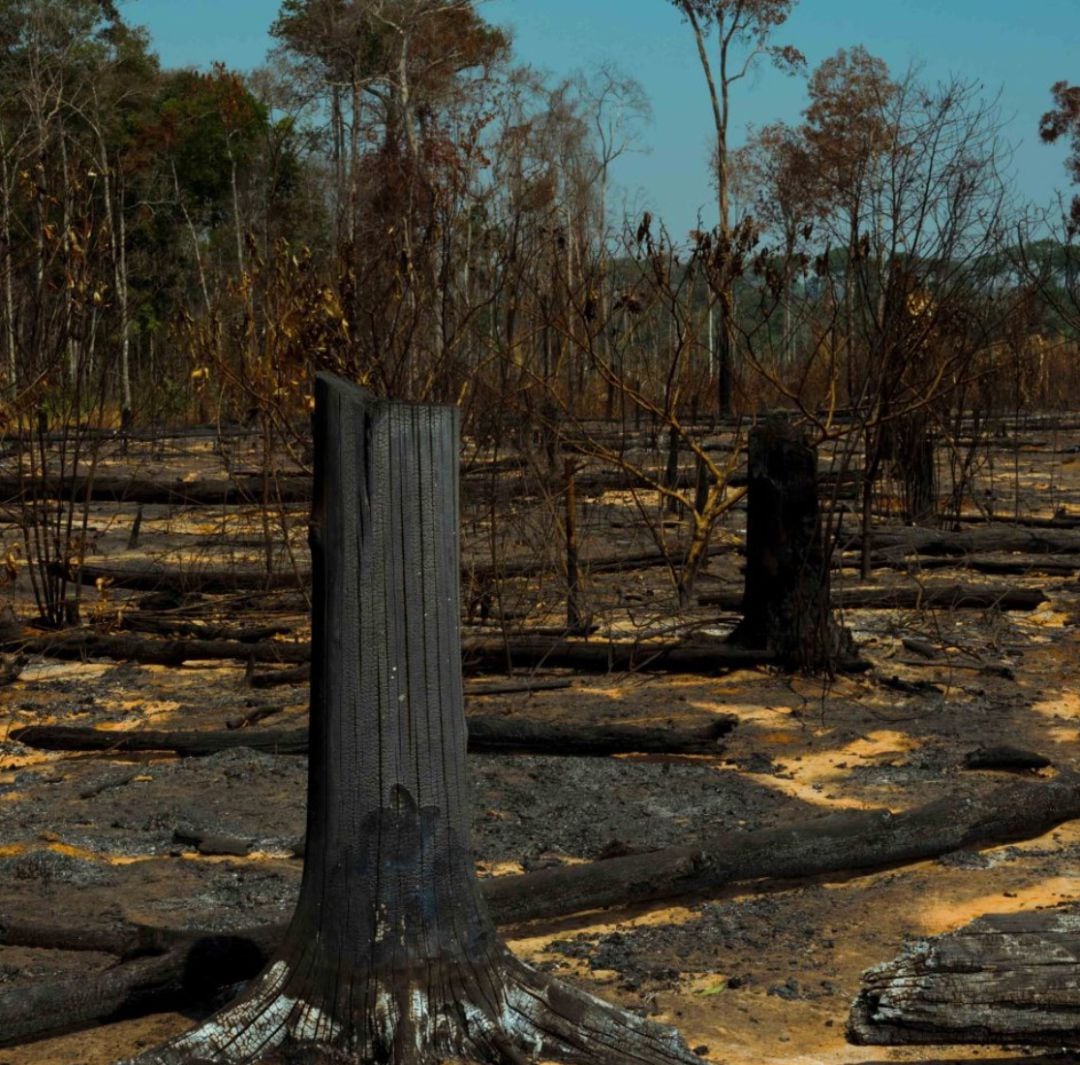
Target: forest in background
x,y
394,199
767,533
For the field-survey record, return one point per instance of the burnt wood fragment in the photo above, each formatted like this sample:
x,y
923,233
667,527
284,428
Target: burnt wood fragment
x,y
1003,979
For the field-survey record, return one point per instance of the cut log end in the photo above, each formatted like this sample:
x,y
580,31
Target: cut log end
x,y
1003,979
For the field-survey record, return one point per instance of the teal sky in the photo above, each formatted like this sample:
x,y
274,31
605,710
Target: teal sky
x,y
1016,49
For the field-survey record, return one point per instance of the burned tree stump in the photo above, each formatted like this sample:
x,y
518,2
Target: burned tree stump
x,y
391,955
785,603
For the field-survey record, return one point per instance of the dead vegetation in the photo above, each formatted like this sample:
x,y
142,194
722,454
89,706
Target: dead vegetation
x,y
142,847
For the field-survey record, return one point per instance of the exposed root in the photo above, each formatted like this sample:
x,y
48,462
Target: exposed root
x,y
505,1015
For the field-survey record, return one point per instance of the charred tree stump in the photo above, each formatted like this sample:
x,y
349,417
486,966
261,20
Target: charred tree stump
x,y
577,617
785,603
917,470
391,955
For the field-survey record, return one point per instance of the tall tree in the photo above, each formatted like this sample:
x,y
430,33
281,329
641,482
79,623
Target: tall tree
x,y
71,74
395,76
916,203
1063,121
739,31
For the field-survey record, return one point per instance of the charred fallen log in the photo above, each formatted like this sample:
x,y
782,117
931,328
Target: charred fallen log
x,y
186,743
1004,564
844,843
979,540
209,491
922,597
849,841
85,643
486,733
186,580
599,656
279,678
222,580
480,655
52,1008
172,625
159,969
1005,978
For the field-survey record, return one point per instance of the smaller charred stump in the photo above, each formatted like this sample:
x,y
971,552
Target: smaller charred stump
x,y
914,464
785,603
391,956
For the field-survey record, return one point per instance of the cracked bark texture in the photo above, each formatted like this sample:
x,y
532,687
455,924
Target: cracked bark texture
x,y
391,956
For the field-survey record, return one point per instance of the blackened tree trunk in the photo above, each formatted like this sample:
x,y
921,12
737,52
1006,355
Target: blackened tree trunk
x,y
786,598
915,464
391,955
577,618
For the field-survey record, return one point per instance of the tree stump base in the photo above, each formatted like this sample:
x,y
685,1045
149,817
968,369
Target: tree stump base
x,y
498,1011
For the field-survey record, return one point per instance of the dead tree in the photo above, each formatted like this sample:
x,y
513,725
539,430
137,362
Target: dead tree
x,y
785,604
391,955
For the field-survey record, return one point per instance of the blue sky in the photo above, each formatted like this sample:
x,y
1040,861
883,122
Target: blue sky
x,y
1019,49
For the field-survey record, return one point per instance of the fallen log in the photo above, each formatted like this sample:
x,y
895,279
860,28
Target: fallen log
x,y
45,1009
290,489
187,580
979,540
699,655
616,563
486,733
173,970
279,678
922,597
252,717
517,688
1062,521
213,843
511,733
1004,978
850,841
942,596
185,743
907,687
170,625
156,434
841,843
84,643
208,491
484,655
995,565
221,580
986,669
